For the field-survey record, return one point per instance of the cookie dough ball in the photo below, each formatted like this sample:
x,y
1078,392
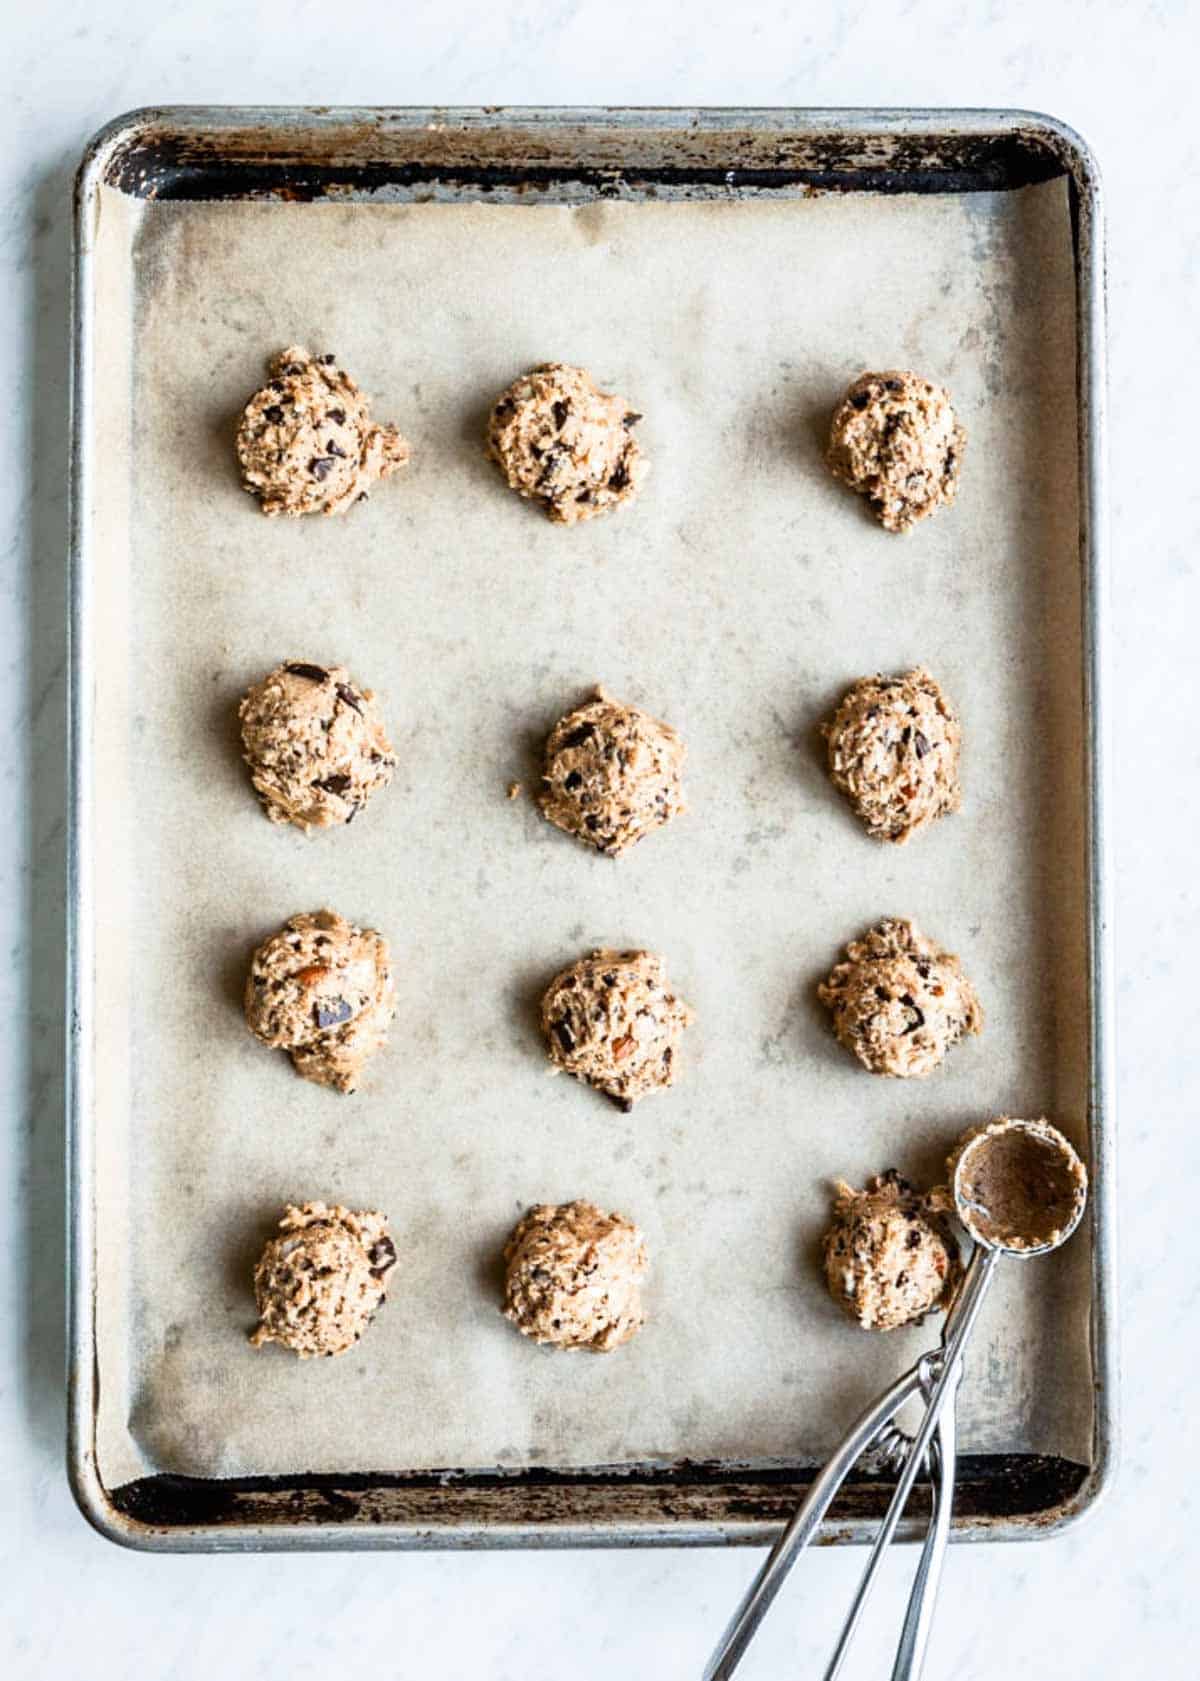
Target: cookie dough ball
x,y
894,746
896,440
611,1020
898,1002
611,774
889,1258
322,990
315,744
305,442
562,442
573,1277
320,1282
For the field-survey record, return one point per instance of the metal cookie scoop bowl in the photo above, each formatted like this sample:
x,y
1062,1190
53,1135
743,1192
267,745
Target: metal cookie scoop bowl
x,y
1018,1186
1020,1189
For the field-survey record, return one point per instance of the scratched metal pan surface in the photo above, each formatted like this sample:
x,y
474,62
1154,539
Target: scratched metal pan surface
x,y
729,271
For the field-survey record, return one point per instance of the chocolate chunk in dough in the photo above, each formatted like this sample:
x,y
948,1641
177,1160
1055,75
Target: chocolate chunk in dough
x,y
573,1277
896,440
320,1281
611,774
890,1258
565,444
612,1022
322,990
894,746
315,744
898,1002
305,442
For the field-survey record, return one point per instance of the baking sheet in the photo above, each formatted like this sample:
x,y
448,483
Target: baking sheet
x,y
737,598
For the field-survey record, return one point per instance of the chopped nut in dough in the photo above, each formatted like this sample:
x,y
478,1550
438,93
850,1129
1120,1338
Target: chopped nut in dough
x,y
611,1020
315,743
573,1277
322,990
893,748
896,440
611,774
562,442
320,1281
898,1002
305,442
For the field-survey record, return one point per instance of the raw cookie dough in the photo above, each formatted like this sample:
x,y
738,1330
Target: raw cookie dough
x,y
315,744
573,1277
561,441
322,990
893,751
305,442
889,1258
610,1020
1023,1186
611,774
319,1283
898,1002
896,440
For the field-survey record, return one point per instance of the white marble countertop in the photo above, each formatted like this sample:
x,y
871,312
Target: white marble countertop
x,y
1116,1596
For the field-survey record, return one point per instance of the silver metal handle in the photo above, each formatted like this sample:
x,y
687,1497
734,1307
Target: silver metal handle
x,y
959,1324
918,1620
938,1375
757,1600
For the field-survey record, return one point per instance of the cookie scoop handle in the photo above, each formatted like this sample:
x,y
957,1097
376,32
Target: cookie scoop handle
x,y
937,1377
918,1620
959,1324
743,1625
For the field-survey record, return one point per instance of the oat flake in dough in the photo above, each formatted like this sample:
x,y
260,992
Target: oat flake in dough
x,y
889,1257
896,440
319,1283
305,442
611,1020
562,442
322,990
898,1002
573,1277
611,774
893,747
315,744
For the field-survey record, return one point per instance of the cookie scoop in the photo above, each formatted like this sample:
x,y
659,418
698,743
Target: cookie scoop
x,y
1020,1189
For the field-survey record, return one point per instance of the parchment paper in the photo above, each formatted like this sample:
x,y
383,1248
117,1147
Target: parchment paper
x,y
736,598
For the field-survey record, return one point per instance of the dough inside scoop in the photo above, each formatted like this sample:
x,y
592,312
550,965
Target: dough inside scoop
x,y
1018,1185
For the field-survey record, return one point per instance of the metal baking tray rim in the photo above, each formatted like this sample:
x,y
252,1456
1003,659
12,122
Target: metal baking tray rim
x,y
96,1502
